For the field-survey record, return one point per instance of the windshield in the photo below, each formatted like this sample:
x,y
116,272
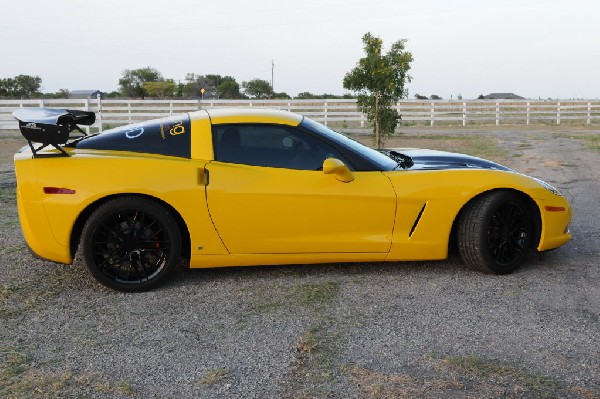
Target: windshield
x,y
376,157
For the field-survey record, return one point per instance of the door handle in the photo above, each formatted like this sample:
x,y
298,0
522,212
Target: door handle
x,y
203,178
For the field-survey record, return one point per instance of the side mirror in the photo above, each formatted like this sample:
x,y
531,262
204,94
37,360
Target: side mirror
x,y
337,167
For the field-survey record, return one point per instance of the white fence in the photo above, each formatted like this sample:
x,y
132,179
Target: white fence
x,y
339,113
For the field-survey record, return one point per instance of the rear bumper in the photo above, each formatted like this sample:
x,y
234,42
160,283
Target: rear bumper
x,y
37,233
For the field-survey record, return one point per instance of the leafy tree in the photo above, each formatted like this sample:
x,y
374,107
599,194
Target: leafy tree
x,y
306,95
379,81
112,94
195,83
132,81
229,88
257,88
283,96
21,86
62,93
7,87
420,97
160,89
481,97
435,97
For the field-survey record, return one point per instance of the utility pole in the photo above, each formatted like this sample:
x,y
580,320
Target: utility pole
x,y
272,69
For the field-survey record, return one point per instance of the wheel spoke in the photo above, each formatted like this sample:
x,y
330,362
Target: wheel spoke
x,y
130,246
507,233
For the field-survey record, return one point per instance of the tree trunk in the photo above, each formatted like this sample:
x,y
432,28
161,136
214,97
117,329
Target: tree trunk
x,y
377,131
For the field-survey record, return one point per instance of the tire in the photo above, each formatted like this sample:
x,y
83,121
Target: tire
x,y
495,232
131,244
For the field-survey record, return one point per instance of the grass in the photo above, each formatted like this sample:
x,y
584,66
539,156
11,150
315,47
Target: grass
x,y
471,144
216,376
537,385
17,298
592,141
20,378
273,298
457,376
316,364
315,296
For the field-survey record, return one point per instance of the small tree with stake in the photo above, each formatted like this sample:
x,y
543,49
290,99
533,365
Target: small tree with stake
x,y
379,81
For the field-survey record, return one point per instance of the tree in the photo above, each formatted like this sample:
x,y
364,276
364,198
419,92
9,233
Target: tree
x,y
160,89
281,95
62,93
379,81
257,88
435,97
132,81
21,86
420,97
229,88
306,95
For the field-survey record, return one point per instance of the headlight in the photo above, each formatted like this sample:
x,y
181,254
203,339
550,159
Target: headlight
x,y
548,187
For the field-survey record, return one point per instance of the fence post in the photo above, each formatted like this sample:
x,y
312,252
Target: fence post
x,y
464,114
325,111
99,99
528,110
589,115
432,114
289,107
558,114
170,108
129,111
497,113
41,103
87,108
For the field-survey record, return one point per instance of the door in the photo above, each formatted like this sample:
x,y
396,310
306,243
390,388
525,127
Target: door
x,y
266,196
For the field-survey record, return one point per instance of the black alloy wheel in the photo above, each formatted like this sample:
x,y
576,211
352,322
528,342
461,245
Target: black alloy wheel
x,y
495,232
131,244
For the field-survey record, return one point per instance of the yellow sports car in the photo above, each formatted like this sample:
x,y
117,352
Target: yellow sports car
x,y
234,187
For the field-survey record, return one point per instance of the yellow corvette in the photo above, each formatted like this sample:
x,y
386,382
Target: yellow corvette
x,y
238,187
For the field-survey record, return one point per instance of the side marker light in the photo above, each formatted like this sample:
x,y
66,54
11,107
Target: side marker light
x,y
58,190
555,208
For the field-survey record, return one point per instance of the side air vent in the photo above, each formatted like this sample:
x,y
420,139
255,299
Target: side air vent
x,y
414,226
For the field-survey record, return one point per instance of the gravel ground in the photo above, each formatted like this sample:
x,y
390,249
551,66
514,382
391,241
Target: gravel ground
x,y
398,330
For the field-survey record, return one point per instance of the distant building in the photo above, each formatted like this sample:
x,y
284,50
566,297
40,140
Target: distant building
x,y
89,94
502,96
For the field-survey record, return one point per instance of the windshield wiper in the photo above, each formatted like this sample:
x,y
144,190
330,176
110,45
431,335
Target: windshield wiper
x,y
403,160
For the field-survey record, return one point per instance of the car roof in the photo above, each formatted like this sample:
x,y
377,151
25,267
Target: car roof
x,y
221,116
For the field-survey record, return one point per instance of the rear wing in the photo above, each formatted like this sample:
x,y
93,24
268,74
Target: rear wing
x,y
51,127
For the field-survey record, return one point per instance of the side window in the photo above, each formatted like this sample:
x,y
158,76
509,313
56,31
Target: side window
x,y
272,146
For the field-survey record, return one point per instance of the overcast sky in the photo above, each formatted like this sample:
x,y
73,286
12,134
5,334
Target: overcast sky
x,y
534,48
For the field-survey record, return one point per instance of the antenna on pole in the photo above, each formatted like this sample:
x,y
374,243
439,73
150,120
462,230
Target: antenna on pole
x,y
272,69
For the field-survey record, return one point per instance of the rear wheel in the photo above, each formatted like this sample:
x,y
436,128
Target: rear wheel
x,y
495,232
131,244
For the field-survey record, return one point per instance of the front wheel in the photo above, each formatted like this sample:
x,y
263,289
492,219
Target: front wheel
x,y
131,244
495,232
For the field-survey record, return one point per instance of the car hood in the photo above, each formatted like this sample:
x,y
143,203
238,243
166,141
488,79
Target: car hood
x,y
439,160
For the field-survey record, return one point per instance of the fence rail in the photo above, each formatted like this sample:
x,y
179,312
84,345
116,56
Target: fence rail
x,y
340,113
